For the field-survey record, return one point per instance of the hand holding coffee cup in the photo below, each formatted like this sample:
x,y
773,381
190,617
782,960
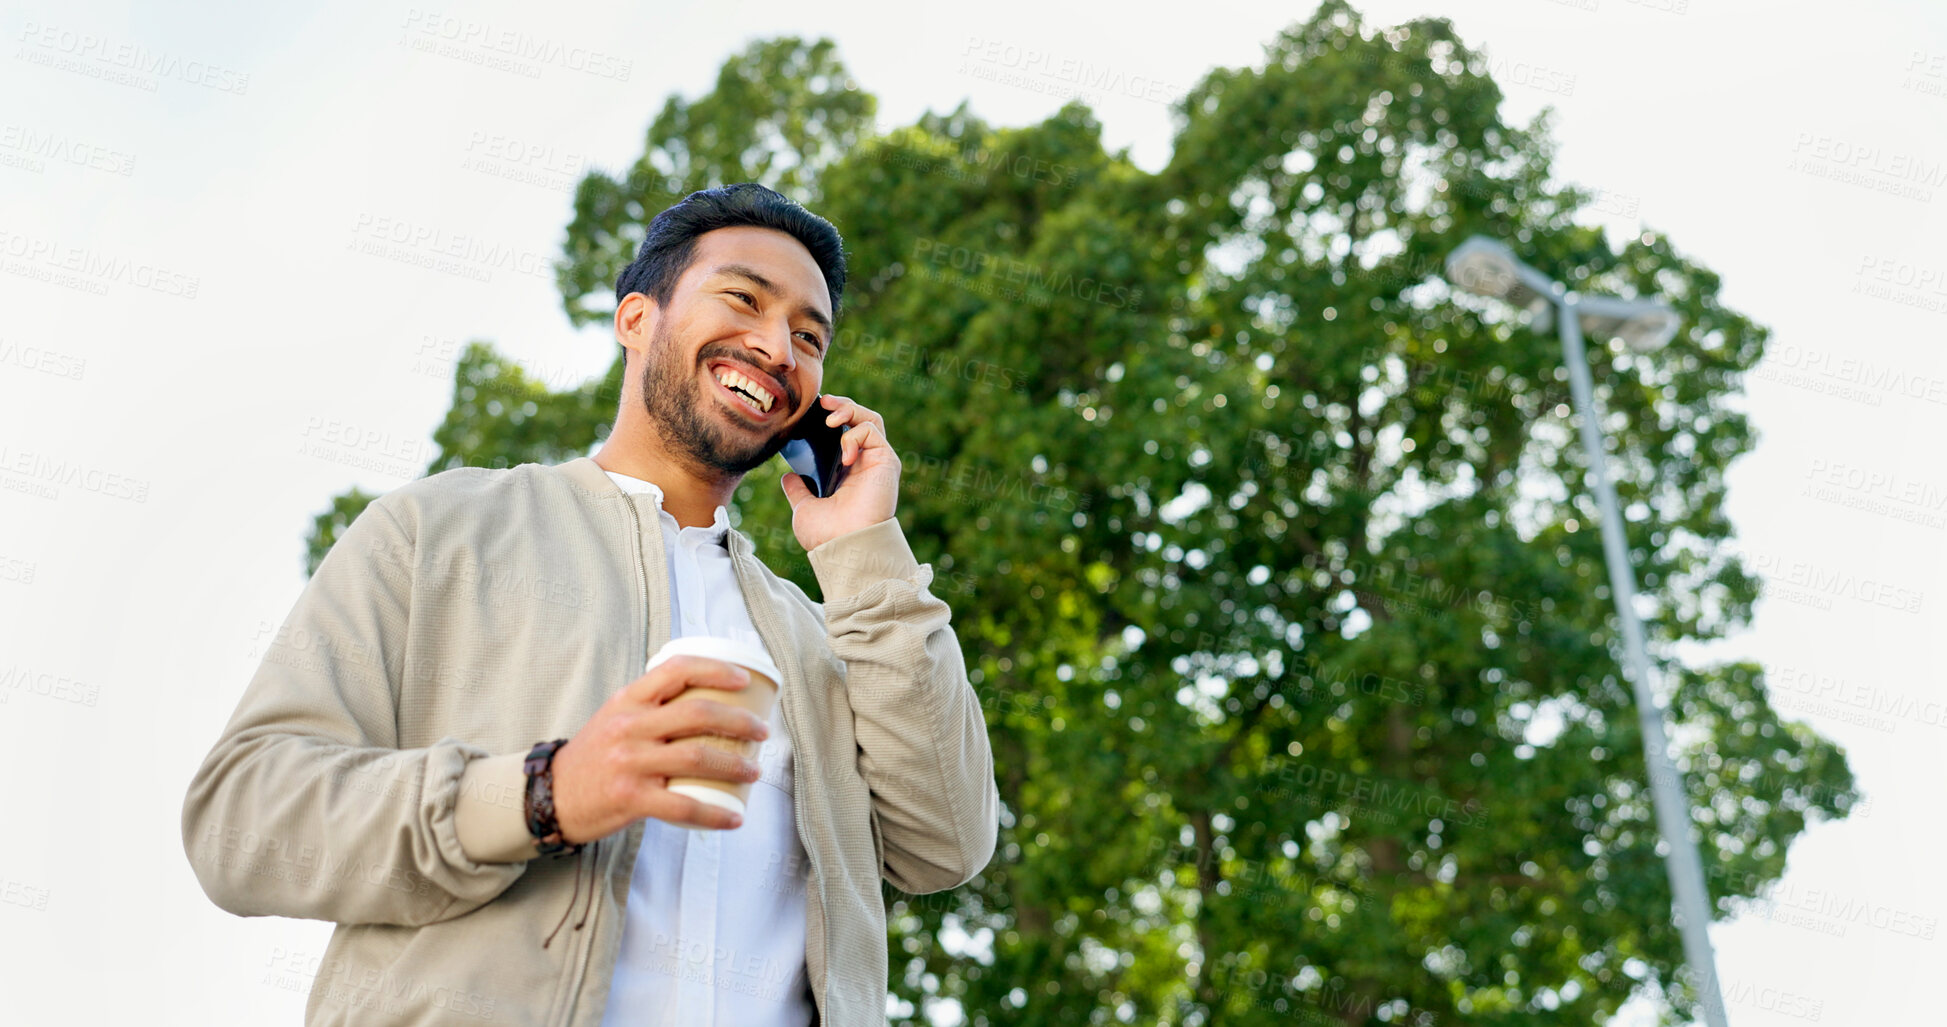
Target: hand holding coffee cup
x,y
758,697
617,769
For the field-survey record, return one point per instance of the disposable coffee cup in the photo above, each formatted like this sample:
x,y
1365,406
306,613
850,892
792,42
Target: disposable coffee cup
x,y
759,697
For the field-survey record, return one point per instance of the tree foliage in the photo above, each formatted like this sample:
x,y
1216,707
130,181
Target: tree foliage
x,y
1272,558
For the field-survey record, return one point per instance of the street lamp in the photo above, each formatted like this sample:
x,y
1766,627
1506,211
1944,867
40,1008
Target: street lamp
x,y
1485,267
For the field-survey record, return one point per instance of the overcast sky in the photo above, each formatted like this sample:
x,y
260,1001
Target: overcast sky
x,y
206,388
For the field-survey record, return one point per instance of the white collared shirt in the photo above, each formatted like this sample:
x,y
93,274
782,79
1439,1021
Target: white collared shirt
x,y
715,931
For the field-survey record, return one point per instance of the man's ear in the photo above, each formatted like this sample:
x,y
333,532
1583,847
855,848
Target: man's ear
x,y
635,321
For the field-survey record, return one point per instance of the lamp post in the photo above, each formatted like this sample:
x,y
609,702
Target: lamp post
x,y
1485,267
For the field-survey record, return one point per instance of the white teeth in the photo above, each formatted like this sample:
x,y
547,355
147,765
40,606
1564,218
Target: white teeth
x,y
764,398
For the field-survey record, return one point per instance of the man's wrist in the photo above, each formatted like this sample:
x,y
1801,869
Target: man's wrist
x,y
859,559
539,806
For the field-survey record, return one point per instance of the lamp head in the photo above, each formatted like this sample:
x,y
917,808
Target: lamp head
x,y
1483,267
1486,267
1650,330
1643,325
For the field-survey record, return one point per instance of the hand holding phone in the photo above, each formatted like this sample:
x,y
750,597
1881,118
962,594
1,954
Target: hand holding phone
x,y
844,479
813,450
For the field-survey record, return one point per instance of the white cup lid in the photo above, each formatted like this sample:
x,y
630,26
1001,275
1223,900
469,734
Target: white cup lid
x,y
746,651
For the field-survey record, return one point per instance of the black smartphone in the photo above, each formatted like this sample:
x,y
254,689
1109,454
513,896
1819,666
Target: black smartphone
x,y
813,452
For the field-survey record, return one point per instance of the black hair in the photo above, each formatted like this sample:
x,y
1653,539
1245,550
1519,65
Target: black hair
x,y
670,244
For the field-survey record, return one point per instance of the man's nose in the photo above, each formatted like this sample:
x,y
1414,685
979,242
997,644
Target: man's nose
x,y
771,344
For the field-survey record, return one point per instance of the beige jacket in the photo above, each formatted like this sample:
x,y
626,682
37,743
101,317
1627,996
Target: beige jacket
x,y
371,774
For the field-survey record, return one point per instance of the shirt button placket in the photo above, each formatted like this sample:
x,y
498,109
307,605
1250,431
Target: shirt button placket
x,y
697,988
693,613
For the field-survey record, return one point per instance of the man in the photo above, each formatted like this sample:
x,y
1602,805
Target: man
x,y
382,769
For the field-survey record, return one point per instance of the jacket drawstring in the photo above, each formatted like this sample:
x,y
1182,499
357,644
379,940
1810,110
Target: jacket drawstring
x,y
574,896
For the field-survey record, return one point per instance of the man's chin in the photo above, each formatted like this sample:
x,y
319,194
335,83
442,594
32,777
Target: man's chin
x,y
701,426
740,456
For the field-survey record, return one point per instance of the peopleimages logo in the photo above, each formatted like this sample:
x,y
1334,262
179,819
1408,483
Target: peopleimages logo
x,y
1857,703
435,28
1831,912
976,263
1308,784
1846,375
1529,75
34,681
1926,72
1905,175
1773,999
437,249
1865,157
524,161
45,361
24,895
32,146
1884,493
1801,580
1361,576
41,474
1898,281
132,64
34,257
1080,73
928,365
16,570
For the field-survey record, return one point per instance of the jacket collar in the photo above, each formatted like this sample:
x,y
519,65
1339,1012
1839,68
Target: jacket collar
x,y
589,476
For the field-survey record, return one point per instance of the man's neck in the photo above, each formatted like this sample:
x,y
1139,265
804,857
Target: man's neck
x,y
691,499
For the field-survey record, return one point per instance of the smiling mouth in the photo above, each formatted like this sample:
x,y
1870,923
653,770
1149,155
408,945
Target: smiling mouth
x,y
744,392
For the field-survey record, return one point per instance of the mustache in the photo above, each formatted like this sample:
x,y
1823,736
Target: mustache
x,y
781,386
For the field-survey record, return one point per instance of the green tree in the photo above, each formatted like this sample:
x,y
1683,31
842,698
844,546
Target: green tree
x,y
1271,557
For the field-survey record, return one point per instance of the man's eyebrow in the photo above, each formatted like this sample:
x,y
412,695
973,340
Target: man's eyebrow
x,y
751,273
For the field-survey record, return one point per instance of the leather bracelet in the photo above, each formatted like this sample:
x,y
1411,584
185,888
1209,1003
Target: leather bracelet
x,y
540,800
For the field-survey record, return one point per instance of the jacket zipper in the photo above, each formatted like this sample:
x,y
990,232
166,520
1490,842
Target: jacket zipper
x,y
642,621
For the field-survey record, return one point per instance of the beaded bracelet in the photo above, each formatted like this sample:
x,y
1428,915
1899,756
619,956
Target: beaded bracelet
x,y
540,800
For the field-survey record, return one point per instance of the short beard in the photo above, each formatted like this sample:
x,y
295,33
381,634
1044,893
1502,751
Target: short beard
x,y
676,407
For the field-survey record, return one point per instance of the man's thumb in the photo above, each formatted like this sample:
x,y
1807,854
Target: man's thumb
x,y
795,489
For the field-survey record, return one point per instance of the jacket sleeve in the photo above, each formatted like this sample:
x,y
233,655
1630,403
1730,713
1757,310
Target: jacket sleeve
x,y
305,807
922,737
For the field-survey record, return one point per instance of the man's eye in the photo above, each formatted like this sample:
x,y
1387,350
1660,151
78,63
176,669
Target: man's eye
x,y
746,297
813,339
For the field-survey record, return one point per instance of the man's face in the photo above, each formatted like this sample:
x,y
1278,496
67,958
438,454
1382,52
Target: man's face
x,y
753,304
